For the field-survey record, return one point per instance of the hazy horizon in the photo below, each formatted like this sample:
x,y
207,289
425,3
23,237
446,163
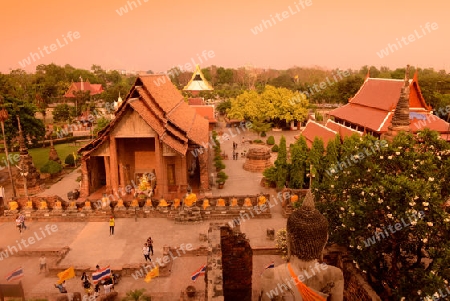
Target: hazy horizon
x,y
140,35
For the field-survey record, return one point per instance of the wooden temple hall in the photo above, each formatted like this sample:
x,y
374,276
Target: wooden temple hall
x,y
155,132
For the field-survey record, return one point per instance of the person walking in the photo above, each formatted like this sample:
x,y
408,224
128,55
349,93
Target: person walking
x,y
146,252
111,225
19,224
150,244
42,264
22,221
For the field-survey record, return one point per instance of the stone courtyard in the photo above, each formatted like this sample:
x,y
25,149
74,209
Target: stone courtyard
x,y
83,243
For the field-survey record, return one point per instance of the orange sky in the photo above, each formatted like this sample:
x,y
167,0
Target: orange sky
x,y
158,35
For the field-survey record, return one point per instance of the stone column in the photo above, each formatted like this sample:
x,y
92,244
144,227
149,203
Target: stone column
x,y
107,172
114,166
84,189
158,170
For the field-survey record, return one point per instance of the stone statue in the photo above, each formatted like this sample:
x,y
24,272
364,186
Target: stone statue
x,y
303,277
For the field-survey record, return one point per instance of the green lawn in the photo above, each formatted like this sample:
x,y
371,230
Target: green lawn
x,y
40,155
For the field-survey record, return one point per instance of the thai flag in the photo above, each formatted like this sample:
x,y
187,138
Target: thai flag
x,y
15,275
201,271
101,274
269,266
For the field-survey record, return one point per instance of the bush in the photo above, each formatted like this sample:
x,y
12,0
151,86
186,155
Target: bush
x,y
257,141
70,160
263,134
275,148
221,177
51,167
270,140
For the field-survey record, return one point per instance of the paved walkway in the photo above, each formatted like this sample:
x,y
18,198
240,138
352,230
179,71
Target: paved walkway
x,y
90,243
65,185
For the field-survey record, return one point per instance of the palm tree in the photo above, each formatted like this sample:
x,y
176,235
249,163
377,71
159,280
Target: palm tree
x,y
3,118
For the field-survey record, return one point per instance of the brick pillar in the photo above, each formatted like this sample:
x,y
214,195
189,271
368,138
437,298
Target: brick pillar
x,y
237,264
204,172
158,170
84,190
107,172
114,167
184,175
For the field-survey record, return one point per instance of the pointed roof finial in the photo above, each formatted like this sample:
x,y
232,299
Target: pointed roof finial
x,y
407,75
308,202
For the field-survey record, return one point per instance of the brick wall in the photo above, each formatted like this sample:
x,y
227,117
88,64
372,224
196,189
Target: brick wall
x,y
237,261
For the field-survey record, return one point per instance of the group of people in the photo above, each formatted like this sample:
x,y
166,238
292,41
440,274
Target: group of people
x,y
148,247
20,222
108,285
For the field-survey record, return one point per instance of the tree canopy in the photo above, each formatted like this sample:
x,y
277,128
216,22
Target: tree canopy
x,y
272,105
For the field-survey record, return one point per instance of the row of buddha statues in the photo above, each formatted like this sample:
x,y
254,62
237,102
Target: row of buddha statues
x,y
189,201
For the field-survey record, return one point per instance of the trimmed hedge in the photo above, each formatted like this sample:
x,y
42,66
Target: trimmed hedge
x,y
275,148
51,167
270,140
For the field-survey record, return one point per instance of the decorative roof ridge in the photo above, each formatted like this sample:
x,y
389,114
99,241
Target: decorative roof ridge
x,y
388,79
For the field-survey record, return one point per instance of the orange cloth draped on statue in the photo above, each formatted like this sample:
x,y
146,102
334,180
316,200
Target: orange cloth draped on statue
x,y
307,293
190,199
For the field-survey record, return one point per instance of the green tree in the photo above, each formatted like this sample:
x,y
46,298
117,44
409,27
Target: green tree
x,y
315,161
101,124
32,128
281,164
298,167
388,207
61,113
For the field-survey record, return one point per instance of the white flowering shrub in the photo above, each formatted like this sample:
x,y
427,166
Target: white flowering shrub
x,y
395,220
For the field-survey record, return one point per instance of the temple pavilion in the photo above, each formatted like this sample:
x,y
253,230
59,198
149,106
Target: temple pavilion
x,y
372,108
198,83
154,132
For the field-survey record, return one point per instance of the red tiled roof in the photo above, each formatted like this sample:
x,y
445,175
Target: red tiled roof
x,y
363,116
162,90
163,108
87,86
196,101
343,131
314,129
207,112
384,93
182,116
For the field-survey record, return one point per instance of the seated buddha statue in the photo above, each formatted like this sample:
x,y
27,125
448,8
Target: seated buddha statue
x,y
57,206
220,203
87,205
190,199
176,203
163,203
234,202
303,277
134,203
29,205
120,204
205,204
148,202
248,202
13,205
261,200
43,205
